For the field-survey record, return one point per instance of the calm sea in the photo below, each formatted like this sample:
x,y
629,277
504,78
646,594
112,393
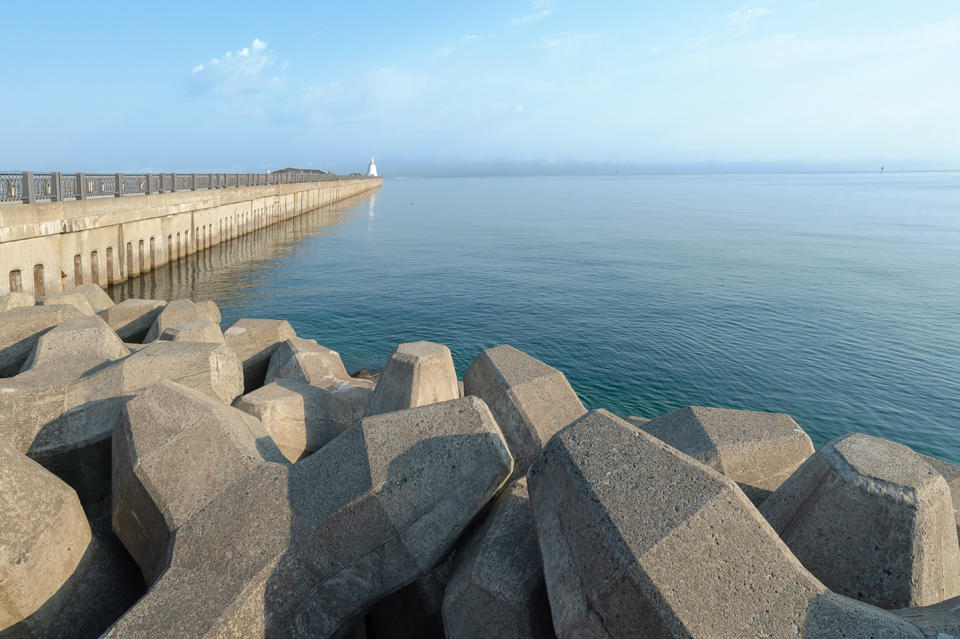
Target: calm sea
x,y
832,297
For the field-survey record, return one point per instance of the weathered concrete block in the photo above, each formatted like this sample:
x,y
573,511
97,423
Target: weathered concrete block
x,y
179,311
97,298
530,400
497,587
175,449
873,521
20,328
756,450
298,358
301,550
951,474
64,421
15,300
195,331
56,578
417,374
254,341
70,298
132,319
939,621
640,540
302,418
76,346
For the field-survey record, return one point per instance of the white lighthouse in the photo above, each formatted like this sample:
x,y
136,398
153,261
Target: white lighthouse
x,y
372,169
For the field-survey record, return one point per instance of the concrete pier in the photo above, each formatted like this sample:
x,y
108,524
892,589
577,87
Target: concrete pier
x,y
52,247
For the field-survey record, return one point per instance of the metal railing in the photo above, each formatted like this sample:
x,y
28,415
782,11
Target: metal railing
x,y
28,187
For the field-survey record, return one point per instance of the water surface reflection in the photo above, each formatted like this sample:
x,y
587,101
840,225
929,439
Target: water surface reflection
x,y
233,270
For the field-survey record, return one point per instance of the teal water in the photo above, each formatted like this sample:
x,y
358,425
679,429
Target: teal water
x,y
832,297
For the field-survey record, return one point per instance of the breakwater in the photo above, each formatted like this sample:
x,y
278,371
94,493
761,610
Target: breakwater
x,y
162,476
51,247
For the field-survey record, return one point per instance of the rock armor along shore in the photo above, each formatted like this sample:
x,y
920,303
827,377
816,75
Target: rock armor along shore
x,y
161,476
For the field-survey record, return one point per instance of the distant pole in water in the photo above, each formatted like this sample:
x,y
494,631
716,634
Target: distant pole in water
x,y
881,170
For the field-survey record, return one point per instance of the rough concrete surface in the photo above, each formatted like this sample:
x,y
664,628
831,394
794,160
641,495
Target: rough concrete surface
x,y
302,550
872,520
417,374
302,418
174,450
57,579
756,450
497,587
530,400
132,318
640,540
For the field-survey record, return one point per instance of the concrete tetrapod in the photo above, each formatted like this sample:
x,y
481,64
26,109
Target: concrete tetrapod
x,y
873,520
301,550
15,300
62,415
21,327
132,319
756,450
179,311
97,298
57,579
417,374
175,449
193,331
302,418
951,474
640,540
70,298
530,400
298,358
939,621
497,587
254,341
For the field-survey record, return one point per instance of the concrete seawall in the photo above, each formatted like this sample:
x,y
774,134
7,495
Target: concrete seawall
x,y
48,248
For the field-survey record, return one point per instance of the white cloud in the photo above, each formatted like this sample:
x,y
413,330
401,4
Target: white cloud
x,y
246,70
746,14
540,10
442,52
471,36
565,44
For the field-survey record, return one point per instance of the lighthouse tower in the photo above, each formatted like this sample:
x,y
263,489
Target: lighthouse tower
x,y
372,169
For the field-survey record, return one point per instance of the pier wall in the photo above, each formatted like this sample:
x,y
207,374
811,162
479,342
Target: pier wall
x,y
51,247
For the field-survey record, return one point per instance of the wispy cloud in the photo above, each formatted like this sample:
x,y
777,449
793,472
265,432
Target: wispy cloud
x,y
248,69
565,44
471,36
442,52
539,11
746,14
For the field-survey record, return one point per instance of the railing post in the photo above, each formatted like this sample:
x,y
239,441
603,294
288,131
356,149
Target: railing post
x,y
193,186
26,188
81,193
55,195
148,187
118,184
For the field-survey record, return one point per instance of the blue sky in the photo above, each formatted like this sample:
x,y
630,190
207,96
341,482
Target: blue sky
x,y
228,86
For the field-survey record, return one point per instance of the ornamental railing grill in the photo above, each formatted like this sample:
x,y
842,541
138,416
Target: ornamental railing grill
x,y
28,187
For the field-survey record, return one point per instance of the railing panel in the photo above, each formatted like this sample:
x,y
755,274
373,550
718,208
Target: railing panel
x,y
11,187
133,184
28,187
68,187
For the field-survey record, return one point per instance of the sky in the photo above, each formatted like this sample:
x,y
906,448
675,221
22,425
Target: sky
x,y
453,88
